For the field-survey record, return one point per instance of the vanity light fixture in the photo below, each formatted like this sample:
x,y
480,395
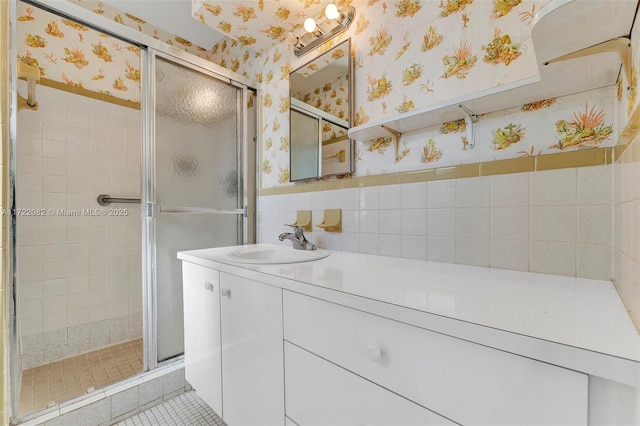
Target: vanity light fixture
x,y
336,20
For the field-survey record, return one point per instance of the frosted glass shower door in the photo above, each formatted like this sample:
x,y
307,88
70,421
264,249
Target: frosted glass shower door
x,y
305,152
196,194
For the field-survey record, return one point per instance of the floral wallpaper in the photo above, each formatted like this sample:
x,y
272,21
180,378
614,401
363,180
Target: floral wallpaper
x,y
410,54
46,36
580,121
131,21
68,52
407,54
258,24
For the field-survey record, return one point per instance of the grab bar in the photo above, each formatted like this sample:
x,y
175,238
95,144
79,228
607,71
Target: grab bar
x,y
105,200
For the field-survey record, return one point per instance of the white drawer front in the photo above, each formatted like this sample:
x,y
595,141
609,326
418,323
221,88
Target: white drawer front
x,y
321,393
466,382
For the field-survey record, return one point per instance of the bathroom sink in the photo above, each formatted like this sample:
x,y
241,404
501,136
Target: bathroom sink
x,y
275,254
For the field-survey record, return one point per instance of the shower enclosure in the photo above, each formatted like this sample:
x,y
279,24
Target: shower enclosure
x,y
194,194
101,285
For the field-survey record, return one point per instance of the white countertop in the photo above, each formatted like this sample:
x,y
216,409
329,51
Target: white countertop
x,y
576,312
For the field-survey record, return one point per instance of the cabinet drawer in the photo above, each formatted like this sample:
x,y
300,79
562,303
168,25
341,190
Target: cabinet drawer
x,y
463,381
321,393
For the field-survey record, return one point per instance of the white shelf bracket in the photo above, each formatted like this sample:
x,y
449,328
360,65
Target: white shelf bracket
x,y
620,45
470,120
30,73
396,139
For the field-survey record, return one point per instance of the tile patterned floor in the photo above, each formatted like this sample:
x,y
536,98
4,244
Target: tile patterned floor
x,y
65,379
184,410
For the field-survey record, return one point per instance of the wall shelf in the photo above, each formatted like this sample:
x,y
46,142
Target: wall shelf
x,y
561,28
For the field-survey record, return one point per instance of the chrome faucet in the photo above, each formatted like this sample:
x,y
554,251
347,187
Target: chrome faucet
x,y
297,238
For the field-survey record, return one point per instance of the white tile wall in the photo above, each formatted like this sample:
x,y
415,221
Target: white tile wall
x,y
626,235
390,197
557,222
76,272
414,196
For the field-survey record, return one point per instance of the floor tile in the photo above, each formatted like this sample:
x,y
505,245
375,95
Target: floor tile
x,y
186,409
62,380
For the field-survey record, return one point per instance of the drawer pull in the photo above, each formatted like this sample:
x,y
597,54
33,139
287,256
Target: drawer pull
x,y
374,353
226,292
208,286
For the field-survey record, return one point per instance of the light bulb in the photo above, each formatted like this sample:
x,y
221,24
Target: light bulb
x,y
309,25
291,38
331,11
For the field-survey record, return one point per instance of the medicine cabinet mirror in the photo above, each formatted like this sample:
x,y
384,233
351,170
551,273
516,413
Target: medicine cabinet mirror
x,y
321,105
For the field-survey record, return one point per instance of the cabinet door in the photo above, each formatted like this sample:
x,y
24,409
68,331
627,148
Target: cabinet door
x,y
202,350
321,393
252,358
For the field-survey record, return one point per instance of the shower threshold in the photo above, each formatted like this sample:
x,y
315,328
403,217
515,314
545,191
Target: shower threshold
x,y
58,381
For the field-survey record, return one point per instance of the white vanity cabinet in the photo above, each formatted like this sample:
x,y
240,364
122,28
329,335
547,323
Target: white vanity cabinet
x,y
462,381
252,370
233,345
303,345
202,348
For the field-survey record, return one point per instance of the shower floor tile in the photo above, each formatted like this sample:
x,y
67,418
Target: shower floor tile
x,y
68,378
186,409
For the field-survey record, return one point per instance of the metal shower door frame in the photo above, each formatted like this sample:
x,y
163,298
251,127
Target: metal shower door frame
x,y
246,225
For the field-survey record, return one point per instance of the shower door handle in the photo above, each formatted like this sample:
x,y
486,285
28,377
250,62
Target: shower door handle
x,y
201,210
154,210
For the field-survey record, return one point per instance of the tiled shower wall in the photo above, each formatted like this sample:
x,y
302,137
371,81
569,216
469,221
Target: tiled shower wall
x,y
627,229
556,221
79,275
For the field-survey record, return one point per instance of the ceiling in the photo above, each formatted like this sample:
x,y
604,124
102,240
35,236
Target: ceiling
x,y
259,24
173,16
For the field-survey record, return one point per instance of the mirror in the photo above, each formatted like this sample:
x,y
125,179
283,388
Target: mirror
x,y
320,114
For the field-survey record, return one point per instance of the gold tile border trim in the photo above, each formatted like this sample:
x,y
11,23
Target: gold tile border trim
x,y
582,158
618,151
88,93
512,165
363,181
419,176
458,172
